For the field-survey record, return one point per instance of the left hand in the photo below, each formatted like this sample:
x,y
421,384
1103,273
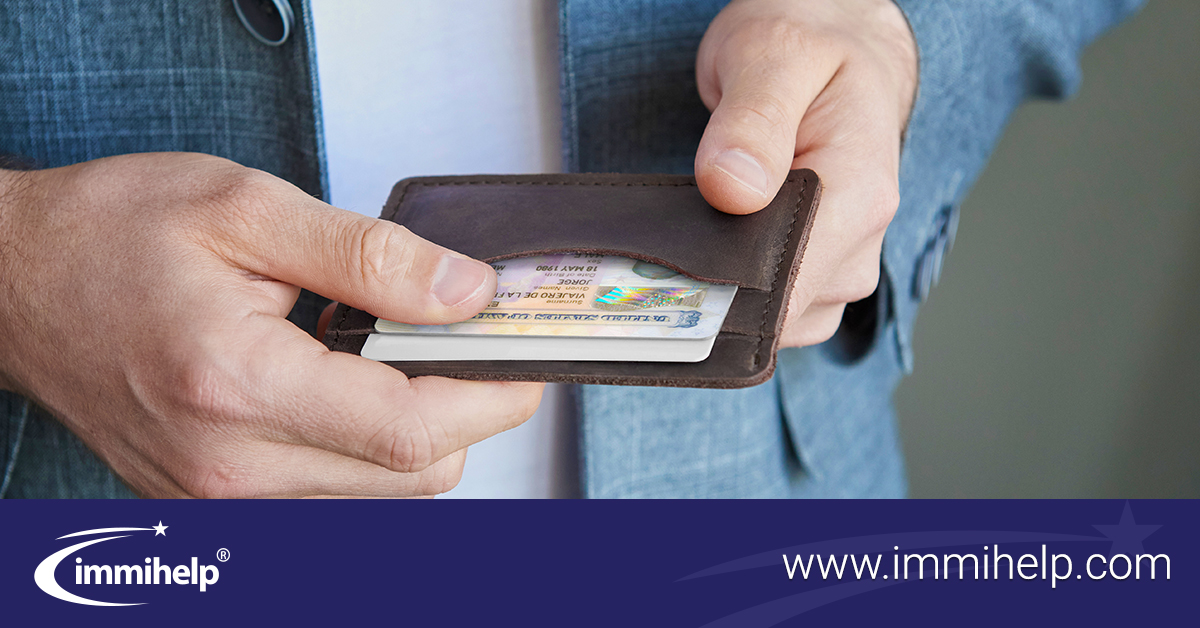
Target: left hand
x,y
810,84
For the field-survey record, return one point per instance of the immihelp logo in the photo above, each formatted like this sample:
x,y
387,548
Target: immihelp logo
x,y
150,571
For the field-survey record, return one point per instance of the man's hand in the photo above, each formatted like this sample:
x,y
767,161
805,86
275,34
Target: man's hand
x,y
810,84
142,301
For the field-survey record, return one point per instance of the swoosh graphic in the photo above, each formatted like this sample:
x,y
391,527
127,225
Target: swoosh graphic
x,y
778,611
44,575
101,531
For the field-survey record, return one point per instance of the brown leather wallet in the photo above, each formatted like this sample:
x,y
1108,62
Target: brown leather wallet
x,y
661,219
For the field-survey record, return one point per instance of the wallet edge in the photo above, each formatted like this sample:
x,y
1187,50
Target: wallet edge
x,y
809,194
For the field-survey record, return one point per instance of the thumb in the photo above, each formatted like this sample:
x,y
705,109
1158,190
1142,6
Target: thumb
x,y
750,141
373,265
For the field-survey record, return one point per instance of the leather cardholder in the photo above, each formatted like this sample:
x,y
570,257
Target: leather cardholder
x,y
661,219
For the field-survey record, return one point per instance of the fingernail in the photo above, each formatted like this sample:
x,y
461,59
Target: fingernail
x,y
458,279
744,169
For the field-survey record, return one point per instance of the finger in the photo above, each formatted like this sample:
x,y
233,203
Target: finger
x,y
816,325
855,147
856,278
370,411
817,321
318,472
290,471
750,141
323,320
374,265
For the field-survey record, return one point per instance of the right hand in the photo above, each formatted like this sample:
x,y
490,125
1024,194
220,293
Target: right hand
x,y
142,301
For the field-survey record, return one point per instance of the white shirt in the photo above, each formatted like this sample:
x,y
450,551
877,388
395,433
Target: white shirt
x,y
450,87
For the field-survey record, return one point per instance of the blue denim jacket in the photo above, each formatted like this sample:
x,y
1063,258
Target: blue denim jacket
x,y
80,81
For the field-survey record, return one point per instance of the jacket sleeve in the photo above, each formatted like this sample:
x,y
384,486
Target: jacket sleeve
x,y
980,59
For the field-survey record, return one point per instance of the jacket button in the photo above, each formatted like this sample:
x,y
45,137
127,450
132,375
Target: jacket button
x,y
270,21
929,263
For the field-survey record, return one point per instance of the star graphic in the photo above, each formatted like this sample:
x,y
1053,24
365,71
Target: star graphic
x,y
1127,535
160,528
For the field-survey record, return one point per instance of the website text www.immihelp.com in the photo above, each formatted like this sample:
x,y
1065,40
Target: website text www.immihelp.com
x,y
991,565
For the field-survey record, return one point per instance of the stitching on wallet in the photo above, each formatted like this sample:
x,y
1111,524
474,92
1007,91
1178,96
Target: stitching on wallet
x,y
335,327
762,330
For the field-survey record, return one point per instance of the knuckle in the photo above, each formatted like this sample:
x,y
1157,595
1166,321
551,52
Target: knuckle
x,y
384,257
771,36
253,183
528,402
444,477
821,329
402,446
863,284
237,188
207,390
516,403
762,113
781,40
825,330
815,326
219,481
855,284
782,30
232,204
882,208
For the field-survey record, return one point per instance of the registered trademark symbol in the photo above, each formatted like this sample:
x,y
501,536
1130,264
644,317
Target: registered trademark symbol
x,y
222,554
